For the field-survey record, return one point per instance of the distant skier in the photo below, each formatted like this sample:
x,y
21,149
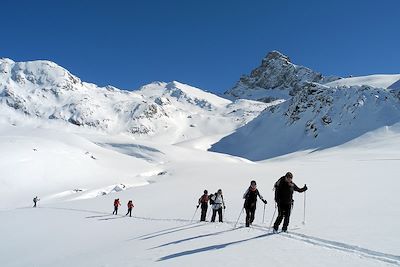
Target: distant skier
x,y
116,204
284,188
217,201
130,206
250,202
203,203
35,201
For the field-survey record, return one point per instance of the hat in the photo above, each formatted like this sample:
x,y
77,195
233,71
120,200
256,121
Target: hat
x,y
205,192
253,182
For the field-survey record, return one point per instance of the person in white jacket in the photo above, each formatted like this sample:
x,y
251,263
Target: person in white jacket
x,y
217,202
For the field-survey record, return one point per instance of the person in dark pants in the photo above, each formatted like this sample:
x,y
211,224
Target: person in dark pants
x,y
284,188
130,206
203,203
250,202
35,201
218,203
116,204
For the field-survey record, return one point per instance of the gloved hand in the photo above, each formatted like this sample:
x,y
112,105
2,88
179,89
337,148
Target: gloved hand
x,y
224,207
305,187
197,206
265,202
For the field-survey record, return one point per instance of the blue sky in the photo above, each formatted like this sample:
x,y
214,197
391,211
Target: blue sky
x,y
208,44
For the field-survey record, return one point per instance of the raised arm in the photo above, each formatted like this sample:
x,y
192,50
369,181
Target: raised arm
x,y
300,190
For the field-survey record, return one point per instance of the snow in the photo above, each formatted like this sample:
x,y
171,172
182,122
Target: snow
x,y
316,118
351,218
350,166
389,81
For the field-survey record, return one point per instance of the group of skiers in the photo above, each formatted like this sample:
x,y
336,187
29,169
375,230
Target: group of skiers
x,y
284,189
217,204
117,203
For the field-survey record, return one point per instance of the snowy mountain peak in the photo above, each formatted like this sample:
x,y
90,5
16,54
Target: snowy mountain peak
x,y
275,55
276,78
316,117
39,73
45,91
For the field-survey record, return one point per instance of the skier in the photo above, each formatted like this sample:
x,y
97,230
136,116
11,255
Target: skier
x,y
250,202
116,204
35,200
218,203
130,206
203,203
284,188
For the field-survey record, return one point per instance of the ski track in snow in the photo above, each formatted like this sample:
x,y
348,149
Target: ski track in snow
x,y
376,255
316,241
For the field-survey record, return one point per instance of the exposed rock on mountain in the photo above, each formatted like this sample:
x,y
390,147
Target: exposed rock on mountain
x,y
276,78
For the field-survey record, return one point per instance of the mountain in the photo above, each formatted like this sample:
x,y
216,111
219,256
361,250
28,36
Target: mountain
x,y
172,111
316,117
276,78
86,155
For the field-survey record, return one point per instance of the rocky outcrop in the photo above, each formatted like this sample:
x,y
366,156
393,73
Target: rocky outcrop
x,y
276,78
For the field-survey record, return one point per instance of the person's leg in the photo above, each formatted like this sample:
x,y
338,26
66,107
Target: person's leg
x,y
203,213
287,217
247,217
214,213
279,218
252,213
220,214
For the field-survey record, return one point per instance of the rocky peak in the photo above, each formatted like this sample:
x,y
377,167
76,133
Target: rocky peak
x,y
274,55
276,78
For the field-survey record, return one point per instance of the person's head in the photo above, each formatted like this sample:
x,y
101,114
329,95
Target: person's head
x,y
219,191
253,184
205,192
289,176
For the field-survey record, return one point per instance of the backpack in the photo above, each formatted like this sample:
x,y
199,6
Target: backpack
x,y
276,188
212,202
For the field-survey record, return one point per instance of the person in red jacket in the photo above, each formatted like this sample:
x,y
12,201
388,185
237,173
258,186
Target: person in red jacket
x,y
203,203
116,204
130,206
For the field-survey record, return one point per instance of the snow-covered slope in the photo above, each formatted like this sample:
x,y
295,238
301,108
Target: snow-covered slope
x,y
316,117
276,78
379,81
78,147
352,213
173,112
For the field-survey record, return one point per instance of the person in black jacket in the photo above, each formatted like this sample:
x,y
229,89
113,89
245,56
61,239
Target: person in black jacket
x,y
250,202
203,202
284,188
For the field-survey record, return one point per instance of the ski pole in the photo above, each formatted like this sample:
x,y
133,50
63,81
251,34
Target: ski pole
x,y
240,214
263,213
304,213
272,219
197,207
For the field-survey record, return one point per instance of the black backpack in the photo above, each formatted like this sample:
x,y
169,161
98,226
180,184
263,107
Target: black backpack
x,y
210,197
